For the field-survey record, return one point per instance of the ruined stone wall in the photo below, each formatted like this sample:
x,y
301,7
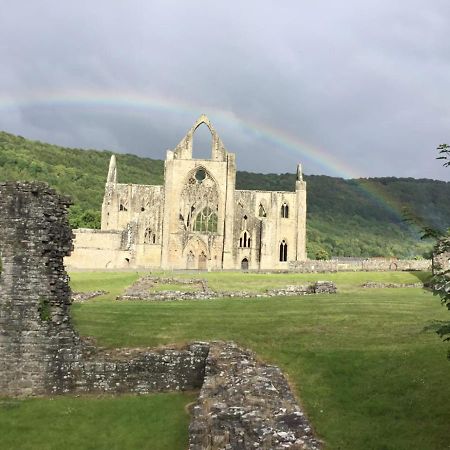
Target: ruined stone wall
x,y
40,352
367,265
36,334
246,404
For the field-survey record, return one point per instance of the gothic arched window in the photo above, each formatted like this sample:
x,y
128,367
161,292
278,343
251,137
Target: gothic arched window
x,y
206,221
244,240
283,251
284,211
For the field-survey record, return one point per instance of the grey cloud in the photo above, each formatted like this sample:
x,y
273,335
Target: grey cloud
x,y
366,82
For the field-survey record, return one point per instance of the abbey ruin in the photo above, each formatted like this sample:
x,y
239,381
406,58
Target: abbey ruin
x,y
196,220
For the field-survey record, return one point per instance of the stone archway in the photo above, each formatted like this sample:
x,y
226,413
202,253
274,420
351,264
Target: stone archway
x,y
244,264
202,261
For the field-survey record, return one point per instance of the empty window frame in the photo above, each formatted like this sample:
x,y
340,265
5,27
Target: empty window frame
x,y
244,240
283,251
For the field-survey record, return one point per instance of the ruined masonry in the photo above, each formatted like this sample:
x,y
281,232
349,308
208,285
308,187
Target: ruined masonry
x,y
40,352
196,220
243,402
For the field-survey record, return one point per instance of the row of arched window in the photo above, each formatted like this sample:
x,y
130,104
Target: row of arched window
x,y
284,211
245,242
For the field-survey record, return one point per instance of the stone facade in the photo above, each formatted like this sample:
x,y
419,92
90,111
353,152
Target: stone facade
x,y
197,220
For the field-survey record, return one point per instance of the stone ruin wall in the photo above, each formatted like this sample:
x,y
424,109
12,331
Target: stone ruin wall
x,y
40,352
243,402
367,265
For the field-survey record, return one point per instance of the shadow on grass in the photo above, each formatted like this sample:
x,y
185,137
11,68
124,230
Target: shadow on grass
x,y
423,277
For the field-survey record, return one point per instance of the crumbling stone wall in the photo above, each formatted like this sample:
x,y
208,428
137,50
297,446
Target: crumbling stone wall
x,y
246,404
36,337
40,352
366,265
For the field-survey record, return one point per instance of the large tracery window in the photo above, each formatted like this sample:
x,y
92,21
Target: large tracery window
x,y
283,251
206,221
199,203
284,211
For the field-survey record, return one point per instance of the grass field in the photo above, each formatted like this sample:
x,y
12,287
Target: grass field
x,y
367,372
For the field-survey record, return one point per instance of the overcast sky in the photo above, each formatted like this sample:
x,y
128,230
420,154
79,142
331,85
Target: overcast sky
x,y
348,88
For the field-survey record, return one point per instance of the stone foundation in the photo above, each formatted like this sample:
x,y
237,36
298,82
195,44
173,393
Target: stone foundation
x,y
141,290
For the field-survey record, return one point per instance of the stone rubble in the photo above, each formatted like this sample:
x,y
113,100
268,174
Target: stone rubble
x,y
80,297
379,285
142,290
246,404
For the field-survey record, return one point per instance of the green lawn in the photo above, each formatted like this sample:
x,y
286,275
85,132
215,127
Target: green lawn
x,y
127,422
367,373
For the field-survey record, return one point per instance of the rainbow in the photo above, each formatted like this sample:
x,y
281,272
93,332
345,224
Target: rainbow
x,y
133,103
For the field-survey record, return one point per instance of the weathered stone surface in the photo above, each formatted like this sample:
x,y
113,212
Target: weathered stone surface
x,y
37,338
246,404
365,265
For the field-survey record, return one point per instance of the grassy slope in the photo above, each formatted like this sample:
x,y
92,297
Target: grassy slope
x,y
343,218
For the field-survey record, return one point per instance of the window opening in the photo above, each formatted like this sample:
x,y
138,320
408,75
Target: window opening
x,y
262,211
284,211
200,175
202,142
244,240
206,221
149,237
283,251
